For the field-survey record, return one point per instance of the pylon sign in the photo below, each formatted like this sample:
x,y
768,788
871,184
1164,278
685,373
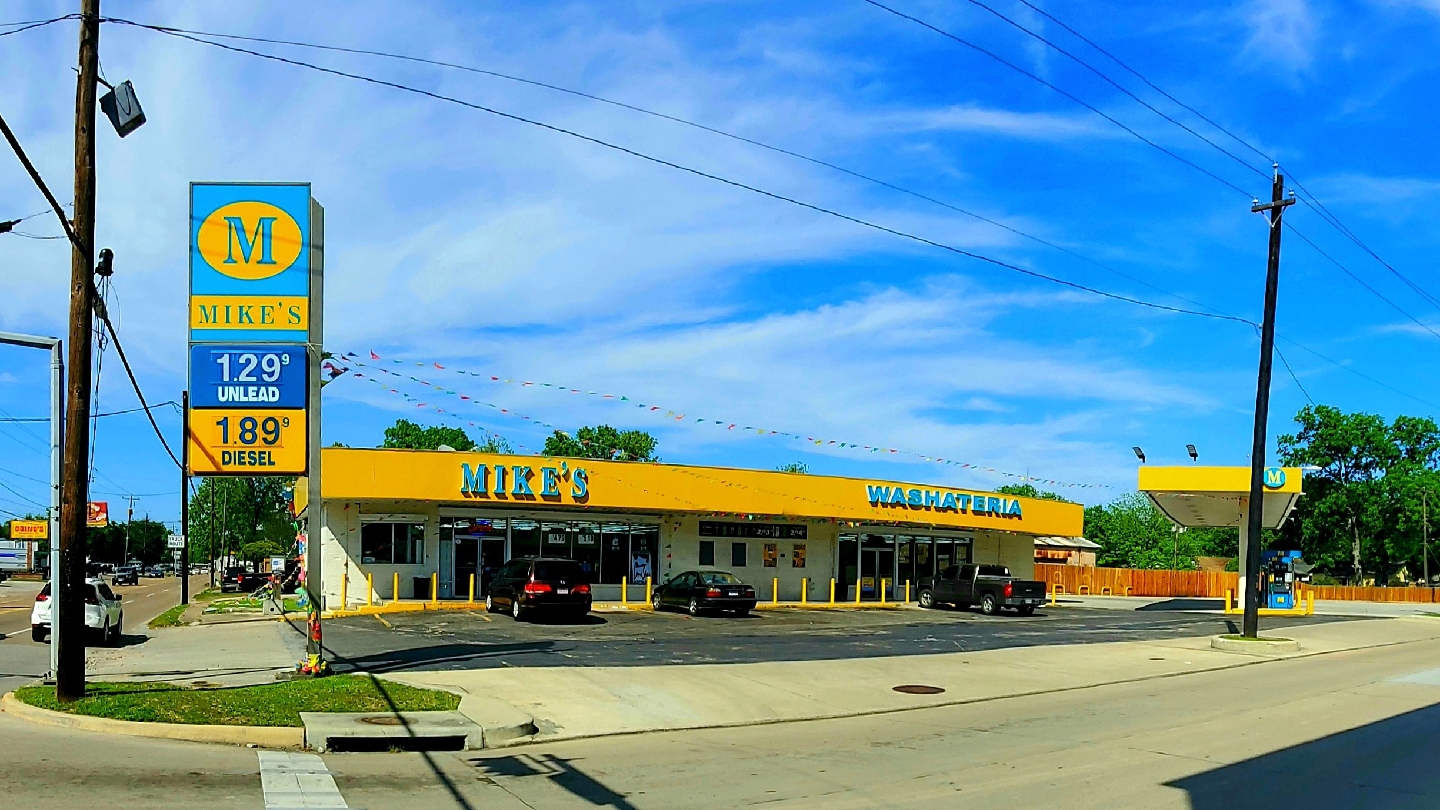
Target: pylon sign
x,y
254,326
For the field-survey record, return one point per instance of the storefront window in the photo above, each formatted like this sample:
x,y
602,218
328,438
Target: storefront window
x,y
392,543
524,539
644,548
556,538
585,547
614,553
737,555
707,552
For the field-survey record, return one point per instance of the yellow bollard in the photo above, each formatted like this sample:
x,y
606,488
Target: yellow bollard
x,y
883,584
434,591
472,589
1228,594
775,591
623,595
649,596
858,589
395,589
907,590
832,590
804,588
344,581
369,590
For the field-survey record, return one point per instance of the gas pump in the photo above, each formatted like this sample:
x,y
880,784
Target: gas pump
x,y
1281,573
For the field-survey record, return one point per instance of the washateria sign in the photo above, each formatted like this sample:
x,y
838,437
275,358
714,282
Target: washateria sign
x,y
519,482
942,500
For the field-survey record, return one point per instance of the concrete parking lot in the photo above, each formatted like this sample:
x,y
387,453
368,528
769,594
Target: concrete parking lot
x,y
477,640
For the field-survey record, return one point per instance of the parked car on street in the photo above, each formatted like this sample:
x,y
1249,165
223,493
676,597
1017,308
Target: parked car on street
x,y
155,572
125,575
700,591
989,586
237,579
555,585
104,613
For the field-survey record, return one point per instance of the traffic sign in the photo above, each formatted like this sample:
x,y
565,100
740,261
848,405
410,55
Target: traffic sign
x,y
176,541
248,441
267,376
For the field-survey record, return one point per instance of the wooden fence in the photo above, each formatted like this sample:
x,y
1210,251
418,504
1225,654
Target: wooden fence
x,y
1078,579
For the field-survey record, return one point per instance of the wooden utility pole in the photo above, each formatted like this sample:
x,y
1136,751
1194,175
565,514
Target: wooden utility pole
x,y
185,497
1425,533
75,491
1255,519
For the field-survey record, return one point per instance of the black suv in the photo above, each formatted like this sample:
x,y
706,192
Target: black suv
x,y
540,584
125,575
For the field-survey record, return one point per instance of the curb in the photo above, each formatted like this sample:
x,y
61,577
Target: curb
x,y
260,736
1262,646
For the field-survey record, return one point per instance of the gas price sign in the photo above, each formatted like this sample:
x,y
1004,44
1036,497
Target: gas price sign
x,y
248,409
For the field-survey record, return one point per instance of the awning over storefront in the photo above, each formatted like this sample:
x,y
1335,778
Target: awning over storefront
x,y
531,482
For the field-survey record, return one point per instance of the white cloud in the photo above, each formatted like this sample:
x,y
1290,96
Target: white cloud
x,y
974,118
1282,32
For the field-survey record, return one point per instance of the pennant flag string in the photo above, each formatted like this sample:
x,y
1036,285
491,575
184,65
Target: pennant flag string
x,y
659,410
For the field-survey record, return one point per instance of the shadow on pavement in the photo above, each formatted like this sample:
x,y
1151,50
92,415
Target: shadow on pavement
x,y
419,657
559,771
1386,765
1186,604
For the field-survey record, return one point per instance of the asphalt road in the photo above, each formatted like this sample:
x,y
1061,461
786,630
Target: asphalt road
x,y
475,640
23,660
1345,730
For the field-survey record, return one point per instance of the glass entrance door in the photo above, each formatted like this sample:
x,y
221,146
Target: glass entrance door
x,y
877,566
492,558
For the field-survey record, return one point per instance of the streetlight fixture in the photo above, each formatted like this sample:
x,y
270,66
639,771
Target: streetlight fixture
x,y
1140,454
1194,454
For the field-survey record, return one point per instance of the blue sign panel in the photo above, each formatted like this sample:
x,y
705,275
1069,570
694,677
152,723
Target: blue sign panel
x,y
250,246
251,375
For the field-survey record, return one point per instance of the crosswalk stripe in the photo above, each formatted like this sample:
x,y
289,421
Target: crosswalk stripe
x,y
298,782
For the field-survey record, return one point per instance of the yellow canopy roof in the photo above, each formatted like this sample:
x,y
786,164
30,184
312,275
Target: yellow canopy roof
x,y
1219,496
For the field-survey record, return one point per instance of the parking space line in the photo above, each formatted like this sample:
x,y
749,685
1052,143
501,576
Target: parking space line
x,y
298,781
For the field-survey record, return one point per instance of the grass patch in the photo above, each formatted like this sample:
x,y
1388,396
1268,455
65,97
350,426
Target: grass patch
x,y
208,595
271,704
170,618
248,604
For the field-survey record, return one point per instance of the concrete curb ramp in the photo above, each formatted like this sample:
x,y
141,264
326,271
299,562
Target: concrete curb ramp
x,y
261,736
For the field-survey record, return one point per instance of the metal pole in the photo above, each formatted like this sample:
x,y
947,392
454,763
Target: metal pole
x,y
1255,518
315,506
185,497
57,438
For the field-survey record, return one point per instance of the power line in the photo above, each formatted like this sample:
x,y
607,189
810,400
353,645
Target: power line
x,y
29,24
698,173
120,350
1087,105
703,127
1313,202
169,402
1293,376
1082,63
819,209
1361,282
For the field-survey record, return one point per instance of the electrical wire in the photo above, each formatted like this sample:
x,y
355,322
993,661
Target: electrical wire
x,y
704,128
1306,197
169,402
698,173
1293,376
139,394
1360,281
1087,105
30,24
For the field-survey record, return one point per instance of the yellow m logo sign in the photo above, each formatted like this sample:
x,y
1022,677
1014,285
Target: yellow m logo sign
x,y
1274,478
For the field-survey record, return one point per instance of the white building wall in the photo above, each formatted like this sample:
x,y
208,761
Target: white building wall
x,y
680,551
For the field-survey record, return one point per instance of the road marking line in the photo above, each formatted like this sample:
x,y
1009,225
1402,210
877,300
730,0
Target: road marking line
x,y
381,619
295,781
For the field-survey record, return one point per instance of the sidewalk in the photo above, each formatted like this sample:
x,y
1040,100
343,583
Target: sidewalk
x,y
1323,607
571,702
235,654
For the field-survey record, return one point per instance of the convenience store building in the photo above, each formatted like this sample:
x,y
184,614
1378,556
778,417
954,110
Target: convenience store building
x,y
460,515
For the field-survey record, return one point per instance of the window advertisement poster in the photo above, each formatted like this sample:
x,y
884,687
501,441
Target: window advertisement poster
x,y
771,555
797,557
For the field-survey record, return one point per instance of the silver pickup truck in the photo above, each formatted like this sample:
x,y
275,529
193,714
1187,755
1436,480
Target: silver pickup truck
x,y
989,586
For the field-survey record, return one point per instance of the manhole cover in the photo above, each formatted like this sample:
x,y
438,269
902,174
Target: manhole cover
x,y
918,689
381,721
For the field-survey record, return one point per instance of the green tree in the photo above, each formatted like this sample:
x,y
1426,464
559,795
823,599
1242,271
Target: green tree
x,y
1132,533
794,467
603,442
1361,515
249,518
1028,490
407,435
146,542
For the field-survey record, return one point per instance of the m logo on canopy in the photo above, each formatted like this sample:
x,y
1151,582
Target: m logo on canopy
x,y
1274,478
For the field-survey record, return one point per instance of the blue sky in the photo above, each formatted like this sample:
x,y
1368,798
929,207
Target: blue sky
x,y
487,245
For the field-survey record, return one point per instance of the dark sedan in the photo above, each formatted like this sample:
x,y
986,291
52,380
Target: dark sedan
x,y
700,591
555,585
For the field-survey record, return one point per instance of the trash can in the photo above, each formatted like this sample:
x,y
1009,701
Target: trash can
x,y
422,588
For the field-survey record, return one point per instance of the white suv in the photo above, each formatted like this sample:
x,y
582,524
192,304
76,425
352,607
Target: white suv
x,y
104,614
